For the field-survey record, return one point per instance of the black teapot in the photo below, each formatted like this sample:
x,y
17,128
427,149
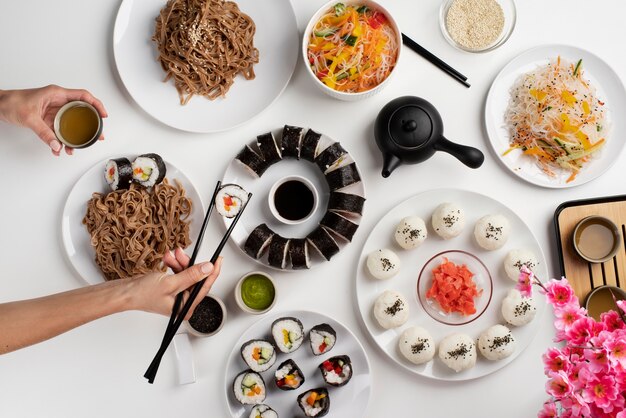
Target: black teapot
x,y
409,130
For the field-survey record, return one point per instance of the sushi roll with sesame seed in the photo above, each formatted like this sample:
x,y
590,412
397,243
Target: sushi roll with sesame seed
x,y
118,173
148,170
411,232
516,259
314,402
336,371
343,177
259,355
383,264
258,241
249,388
322,338
492,231
262,411
391,309
288,333
230,199
347,203
448,220
458,352
309,144
340,225
253,162
330,157
270,148
518,310
299,254
288,376
496,343
417,345
323,242
292,135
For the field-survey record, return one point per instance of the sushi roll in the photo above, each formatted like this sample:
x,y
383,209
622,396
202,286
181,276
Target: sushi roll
x,y
288,334
270,148
458,352
230,199
411,232
314,402
308,145
148,170
323,242
292,135
496,343
337,371
417,345
258,241
279,252
448,220
322,338
492,231
118,173
259,355
253,162
343,177
263,411
518,310
330,156
350,204
249,388
383,264
391,309
288,376
516,259
339,225
299,254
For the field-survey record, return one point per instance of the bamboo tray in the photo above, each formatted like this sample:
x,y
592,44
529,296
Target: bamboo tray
x,y
585,276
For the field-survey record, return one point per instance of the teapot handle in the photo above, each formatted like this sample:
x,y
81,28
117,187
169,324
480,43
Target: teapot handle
x,y
471,157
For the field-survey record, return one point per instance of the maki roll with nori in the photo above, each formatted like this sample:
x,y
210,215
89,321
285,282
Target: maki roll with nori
x,y
249,388
118,173
270,148
259,355
322,338
299,254
253,162
288,376
350,204
314,402
308,146
230,199
323,242
339,225
263,411
279,252
292,135
258,241
148,170
288,333
343,177
337,371
330,156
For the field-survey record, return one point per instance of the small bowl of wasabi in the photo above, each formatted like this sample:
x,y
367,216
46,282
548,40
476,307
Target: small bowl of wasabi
x,y
255,293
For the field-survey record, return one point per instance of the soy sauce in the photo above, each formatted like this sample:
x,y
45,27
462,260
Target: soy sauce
x,y
293,200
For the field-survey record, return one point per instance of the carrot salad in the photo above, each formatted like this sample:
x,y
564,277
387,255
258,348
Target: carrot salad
x,y
454,288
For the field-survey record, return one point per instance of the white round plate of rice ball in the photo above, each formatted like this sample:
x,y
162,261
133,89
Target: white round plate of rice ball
x,y
369,289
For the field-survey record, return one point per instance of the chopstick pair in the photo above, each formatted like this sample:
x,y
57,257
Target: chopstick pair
x,y
176,318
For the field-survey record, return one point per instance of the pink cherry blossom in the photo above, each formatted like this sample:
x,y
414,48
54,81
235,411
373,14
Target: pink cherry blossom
x,y
581,331
576,405
598,359
525,282
617,349
560,293
548,410
622,305
558,385
566,316
554,361
601,391
612,320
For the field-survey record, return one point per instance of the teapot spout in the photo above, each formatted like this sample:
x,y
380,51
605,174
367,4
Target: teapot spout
x,y
390,163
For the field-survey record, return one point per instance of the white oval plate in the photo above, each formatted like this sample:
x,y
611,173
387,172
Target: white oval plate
x,y
76,239
609,88
412,261
347,401
136,55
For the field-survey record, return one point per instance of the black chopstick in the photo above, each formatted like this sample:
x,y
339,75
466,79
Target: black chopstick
x,y
430,57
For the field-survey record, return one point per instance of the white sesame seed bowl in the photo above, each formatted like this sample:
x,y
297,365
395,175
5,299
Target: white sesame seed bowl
x,y
477,25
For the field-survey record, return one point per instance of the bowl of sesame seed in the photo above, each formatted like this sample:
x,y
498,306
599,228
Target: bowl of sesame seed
x,y
477,25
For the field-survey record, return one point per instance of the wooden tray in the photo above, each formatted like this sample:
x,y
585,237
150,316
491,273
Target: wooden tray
x,y
585,276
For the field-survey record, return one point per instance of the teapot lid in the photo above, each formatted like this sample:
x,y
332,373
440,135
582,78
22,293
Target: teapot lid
x,y
409,121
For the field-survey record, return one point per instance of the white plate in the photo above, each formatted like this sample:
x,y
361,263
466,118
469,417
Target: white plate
x,y
423,205
136,55
76,239
609,88
258,210
347,401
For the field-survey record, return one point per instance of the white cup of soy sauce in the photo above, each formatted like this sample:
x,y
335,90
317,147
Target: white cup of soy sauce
x,y
293,200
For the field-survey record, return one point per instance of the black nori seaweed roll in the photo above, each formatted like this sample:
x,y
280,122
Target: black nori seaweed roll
x,y
258,241
323,242
329,156
149,169
337,371
346,203
322,338
343,177
339,225
279,252
288,376
320,402
252,161
118,173
299,254
292,135
270,148
308,146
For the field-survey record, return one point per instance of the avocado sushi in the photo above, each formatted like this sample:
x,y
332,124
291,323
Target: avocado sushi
x,y
258,241
323,242
339,225
314,402
270,148
118,173
343,177
299,254
330,156
252,161
288,334
279,252
337,371
308,146
288,376
347,203
262,411
259,355
322,338
292,135
249,388
148,170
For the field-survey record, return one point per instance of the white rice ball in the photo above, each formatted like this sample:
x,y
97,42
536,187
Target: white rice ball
x,y
514,261
417,345
496,343
391,309
492,231
383,264
448,220
411,232
458,352
518,310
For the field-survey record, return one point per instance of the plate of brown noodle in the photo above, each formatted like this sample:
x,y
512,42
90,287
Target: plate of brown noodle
x,y
108,235
205,65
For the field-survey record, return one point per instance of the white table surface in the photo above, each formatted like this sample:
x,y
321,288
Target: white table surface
x,y
97,370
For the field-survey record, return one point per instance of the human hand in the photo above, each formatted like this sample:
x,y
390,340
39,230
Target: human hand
x,y
36,108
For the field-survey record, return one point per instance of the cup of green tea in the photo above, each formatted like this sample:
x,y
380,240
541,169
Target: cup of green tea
x,y
600,300
596,239
77,124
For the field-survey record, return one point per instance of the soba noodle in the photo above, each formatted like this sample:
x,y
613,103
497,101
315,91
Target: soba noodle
x,y
132,229
203,45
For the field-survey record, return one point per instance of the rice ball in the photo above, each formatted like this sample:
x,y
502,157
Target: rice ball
x,y
411,232
514,261
518,310
492,231
496,343
383,264
391,309
458,352
448,220
417,345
